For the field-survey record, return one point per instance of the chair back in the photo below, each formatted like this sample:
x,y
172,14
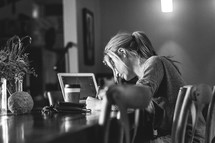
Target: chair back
x,y
210,124
190,102
120,121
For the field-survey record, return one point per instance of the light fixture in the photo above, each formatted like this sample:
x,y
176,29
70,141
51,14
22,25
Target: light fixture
x,y
35,11
166,6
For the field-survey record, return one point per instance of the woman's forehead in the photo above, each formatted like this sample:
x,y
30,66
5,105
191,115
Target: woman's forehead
x,y
110,58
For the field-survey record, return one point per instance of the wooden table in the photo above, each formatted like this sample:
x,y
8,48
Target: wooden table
x,y
60,128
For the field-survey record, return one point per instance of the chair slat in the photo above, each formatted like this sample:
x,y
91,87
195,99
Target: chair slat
x,y
210,124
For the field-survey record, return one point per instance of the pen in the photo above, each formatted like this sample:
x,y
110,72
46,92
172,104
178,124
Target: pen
x,y
98,92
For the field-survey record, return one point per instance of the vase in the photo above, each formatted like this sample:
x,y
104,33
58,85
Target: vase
x,y
15,85
18,85
3,96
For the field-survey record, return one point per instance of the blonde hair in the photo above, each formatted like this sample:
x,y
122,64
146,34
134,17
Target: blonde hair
x,y
137,42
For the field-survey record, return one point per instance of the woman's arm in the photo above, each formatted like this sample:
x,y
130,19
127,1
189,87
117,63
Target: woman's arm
x,y
131,96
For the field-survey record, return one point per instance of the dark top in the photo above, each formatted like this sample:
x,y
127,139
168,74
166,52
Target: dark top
x,y
165,80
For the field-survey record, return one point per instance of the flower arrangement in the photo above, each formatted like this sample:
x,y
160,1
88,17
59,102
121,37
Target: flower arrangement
x,y
14,62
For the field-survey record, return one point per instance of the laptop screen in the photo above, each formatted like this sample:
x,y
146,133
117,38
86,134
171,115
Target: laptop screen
x,y
87,82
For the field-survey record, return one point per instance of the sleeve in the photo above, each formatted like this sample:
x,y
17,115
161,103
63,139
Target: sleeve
x,y
153,74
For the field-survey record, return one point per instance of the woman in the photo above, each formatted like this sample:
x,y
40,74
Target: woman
x,y
159,80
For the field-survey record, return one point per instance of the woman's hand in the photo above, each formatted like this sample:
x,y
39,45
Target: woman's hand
x,y
93,103
102,93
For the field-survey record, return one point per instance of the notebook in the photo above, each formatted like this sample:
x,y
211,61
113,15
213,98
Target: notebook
x,y
87,82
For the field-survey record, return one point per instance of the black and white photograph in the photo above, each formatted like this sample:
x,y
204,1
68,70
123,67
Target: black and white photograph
x,y
107,71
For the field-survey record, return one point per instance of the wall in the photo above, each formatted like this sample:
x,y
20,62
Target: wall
x,y
70,34
187,34
73,25
94,7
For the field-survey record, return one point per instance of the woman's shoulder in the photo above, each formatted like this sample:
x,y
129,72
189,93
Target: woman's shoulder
x,y
158,59
153,60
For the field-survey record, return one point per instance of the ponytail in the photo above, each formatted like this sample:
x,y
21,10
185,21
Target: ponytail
x,y
144,46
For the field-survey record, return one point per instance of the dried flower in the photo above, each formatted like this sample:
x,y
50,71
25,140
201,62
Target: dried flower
x,y
14,63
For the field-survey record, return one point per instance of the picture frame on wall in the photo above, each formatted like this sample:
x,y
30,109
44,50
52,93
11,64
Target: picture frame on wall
x,y
89,37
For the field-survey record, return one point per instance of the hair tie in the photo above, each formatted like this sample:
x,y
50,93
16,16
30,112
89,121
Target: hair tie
x,y
133,36
135,43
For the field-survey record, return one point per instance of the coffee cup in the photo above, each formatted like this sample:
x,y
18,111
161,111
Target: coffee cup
x,y
72,93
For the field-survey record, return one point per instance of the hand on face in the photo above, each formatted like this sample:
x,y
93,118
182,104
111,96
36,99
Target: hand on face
x,y
119,66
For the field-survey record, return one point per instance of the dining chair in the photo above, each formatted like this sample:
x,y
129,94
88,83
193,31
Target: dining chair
x,y
124,136
121,127
190,102
210,122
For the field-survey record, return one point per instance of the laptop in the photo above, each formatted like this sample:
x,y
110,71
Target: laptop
x,y
87,82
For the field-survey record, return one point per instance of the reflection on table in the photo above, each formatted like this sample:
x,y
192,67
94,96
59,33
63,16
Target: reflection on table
x,y
38,128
